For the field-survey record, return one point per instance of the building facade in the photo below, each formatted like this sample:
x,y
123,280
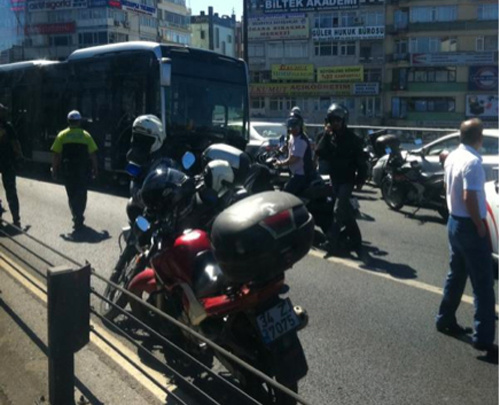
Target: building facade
x,y
54,29
314,54
441,62
213,32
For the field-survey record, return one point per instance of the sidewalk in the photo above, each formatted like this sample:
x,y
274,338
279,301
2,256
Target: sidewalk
x,y
24,364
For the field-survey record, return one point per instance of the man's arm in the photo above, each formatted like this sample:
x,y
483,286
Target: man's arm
x,y
56,164
93,160
472,205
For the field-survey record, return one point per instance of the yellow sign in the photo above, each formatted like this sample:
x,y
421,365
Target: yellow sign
x,y
292,72
340,74
290,89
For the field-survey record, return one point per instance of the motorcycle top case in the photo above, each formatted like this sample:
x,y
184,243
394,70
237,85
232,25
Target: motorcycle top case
x,y
261,236
391,141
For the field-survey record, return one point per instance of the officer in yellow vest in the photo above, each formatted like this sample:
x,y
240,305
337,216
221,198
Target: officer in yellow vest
x,y
73,149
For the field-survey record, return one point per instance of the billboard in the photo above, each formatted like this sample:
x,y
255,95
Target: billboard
x,y
349,33
340,74
48,29
315,89
278,27
452,58
483,78
481,106
290,6
292,72
138,8
54,5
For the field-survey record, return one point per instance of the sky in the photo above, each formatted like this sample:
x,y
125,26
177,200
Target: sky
x,y
220,6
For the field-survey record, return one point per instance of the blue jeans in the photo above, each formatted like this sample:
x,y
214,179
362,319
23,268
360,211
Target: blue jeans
x,y
470,256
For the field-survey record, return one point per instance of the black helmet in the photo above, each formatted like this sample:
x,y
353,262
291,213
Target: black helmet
x,y
294,121
165,189
336,112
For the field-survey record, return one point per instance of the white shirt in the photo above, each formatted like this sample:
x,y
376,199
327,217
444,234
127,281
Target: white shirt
x,y
297,147
464,171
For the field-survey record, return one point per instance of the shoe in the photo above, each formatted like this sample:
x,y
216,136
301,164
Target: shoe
x,y
78,226
17,223
454,330
491,349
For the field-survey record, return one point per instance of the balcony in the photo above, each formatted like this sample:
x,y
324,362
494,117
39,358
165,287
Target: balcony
x,y
469,25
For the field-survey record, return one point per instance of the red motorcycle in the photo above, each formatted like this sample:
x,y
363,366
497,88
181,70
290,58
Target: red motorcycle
x,y
229,286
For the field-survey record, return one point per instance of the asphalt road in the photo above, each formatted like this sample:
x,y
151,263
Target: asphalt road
x,y
371,337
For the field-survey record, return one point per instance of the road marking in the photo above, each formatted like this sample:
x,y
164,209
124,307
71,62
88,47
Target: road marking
x,y
131,366
411,283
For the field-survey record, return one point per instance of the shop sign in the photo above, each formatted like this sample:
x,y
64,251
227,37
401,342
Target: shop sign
x,y
289,6
366,89
292,72
340,74
47,29
481,105
483,78
452,58
349,33
278,27
50,5
286,89
138,8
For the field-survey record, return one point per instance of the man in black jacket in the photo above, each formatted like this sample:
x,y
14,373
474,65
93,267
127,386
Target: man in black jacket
x,y
342,149
11,156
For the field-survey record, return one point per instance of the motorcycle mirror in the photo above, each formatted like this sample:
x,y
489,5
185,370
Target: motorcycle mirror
x,y
188,160
418,141
388,150
142,223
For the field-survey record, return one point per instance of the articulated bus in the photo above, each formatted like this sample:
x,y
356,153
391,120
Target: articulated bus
x,y
200,96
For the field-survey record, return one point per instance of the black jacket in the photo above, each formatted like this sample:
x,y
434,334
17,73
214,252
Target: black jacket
x,y
344,154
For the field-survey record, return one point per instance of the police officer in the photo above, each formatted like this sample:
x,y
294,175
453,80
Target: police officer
x,y
342,150
299,160
10,156
73,148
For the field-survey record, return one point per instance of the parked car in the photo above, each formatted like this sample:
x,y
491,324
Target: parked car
x,y
491,190
431,151
264,134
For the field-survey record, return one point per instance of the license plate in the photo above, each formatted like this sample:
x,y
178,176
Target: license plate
x,y
277,321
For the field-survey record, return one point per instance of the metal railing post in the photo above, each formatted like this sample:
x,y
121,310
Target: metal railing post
x,y
68,308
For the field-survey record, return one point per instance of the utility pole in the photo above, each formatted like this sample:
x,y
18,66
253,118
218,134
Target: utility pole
x,y
245,30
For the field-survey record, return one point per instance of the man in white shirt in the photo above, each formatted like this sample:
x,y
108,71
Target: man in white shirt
x,y
470,253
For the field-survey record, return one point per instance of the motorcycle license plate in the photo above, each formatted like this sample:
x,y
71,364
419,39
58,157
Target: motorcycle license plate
x,y
277,321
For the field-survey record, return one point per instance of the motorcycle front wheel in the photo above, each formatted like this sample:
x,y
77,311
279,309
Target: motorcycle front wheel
x,y
124,271
393,194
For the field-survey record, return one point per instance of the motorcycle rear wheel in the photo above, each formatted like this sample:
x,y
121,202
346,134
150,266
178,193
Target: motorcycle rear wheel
x,y
122,274
393,195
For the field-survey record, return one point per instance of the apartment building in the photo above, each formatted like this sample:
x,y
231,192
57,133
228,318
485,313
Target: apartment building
x,y
53,29
313,53
213,32
441,62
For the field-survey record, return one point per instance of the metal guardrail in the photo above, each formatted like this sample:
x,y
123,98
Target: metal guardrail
x,y
69,310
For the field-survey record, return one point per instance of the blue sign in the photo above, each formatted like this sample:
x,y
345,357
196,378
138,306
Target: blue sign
x,y
483,78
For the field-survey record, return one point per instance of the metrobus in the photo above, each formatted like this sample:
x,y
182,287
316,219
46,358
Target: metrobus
x,y
200,96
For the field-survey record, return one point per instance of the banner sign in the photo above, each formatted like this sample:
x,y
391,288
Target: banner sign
x,y
340,74
279,27
289,6
292,72
349,33
286,89
483,78
366,89
105,3
138,8
481,105
314,89
452,58
49,5
46,29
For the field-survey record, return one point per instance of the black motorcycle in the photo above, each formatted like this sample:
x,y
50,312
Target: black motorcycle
x,y
406,184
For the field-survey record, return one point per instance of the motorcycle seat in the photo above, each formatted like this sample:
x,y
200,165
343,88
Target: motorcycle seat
x,y
208,278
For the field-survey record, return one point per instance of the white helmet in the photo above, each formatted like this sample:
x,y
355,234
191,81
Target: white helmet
x,y
218,175
149,126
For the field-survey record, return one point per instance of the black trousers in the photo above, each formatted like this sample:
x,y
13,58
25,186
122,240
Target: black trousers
x,y
9,184
76,183
343,219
